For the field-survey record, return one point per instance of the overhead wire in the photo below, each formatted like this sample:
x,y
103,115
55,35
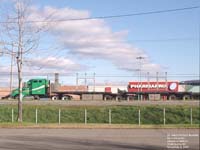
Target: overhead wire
x,y
110,16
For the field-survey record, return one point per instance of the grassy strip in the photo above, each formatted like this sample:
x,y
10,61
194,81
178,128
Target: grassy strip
x,y
100,114
95,126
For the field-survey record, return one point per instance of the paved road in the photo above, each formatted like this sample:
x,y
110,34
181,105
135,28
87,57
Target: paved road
x,y
97,139
100,103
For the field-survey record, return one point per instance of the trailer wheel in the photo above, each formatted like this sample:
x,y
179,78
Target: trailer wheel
x,y
118,98
107,97
65,98
186,97
54,98
128,98
172,97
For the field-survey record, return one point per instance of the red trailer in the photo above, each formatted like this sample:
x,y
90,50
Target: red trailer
x,y
158,90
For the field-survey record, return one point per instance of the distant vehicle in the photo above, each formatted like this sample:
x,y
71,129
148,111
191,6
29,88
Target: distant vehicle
x,y
35,87
41,88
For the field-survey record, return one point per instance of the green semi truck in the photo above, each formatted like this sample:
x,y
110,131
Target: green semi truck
x,y
34,87
41,88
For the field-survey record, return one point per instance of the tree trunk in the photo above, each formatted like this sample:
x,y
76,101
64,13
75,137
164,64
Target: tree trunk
x,y
19,58
19,65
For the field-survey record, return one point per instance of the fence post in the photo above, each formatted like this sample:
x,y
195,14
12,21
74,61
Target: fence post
x,y
128,98
85,116
164,115
191,116
139,117
59,116
36,116
110,117
12,115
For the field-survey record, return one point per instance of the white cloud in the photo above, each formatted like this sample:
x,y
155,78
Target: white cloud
x,y
93,38
55,63
44,66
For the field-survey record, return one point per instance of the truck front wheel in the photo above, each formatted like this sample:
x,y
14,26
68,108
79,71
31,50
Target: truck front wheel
x,y
36,97
16,97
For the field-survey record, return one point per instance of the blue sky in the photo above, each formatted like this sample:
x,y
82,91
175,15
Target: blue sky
x,y
169,40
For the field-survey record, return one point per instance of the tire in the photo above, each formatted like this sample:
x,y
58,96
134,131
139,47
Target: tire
x,y
128,98
16,97
54,98
107,97
172,97
65,98
118,98
36,97
186,97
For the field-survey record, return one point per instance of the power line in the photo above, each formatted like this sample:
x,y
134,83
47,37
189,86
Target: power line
x,y
165,40
111,16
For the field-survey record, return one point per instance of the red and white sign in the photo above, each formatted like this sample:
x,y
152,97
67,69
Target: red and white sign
x,y
153,86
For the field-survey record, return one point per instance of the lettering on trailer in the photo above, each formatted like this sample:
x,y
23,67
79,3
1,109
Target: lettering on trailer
x,y
153,86
148,86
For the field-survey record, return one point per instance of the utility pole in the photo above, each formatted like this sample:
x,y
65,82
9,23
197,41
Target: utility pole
x,y
85,79
157,81
76,81
11,69
94,81
165,81
1,51
140,69
148,80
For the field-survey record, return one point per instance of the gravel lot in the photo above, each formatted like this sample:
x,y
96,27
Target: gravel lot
x,y
95,139
100,103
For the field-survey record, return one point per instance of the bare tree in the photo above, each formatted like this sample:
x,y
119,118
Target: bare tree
x,y
19,37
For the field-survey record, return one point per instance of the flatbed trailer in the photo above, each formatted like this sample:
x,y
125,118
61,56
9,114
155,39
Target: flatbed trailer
x,y
124,96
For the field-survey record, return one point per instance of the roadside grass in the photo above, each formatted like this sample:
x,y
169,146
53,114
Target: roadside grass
x,y
125,115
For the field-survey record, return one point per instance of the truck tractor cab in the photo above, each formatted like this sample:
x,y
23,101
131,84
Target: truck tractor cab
x,y
15,92
34,87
